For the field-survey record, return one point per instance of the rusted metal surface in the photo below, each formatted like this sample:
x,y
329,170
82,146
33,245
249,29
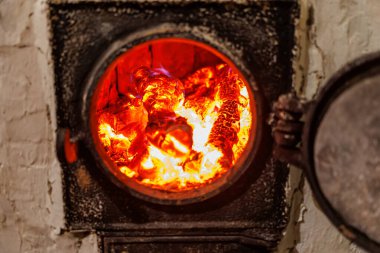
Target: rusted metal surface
x,y
259,38
354,74
347,154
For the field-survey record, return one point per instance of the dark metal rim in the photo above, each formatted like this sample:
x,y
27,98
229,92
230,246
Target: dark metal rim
x,y
335,85
144,192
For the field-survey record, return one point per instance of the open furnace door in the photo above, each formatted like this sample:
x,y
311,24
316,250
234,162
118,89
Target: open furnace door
x,y
336,140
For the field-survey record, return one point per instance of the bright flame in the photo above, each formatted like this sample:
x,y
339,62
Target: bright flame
x,y
176,134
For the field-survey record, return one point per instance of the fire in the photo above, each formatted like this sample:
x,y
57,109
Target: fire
x,y
177,134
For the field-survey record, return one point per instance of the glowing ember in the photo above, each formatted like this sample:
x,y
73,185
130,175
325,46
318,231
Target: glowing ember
x,y
177,134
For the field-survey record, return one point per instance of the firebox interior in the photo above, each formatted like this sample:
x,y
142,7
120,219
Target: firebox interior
x,y
172,114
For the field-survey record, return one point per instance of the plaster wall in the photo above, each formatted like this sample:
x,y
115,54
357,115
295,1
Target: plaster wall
x,y
31,214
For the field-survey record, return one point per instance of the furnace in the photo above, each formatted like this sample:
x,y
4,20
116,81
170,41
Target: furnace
x,y
162,110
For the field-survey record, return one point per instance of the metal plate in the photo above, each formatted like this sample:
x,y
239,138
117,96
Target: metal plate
x,y
177,244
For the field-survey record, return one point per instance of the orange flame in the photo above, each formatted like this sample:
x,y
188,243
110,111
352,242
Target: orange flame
x,y
176,134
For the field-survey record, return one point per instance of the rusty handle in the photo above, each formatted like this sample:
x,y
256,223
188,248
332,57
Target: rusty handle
x,y
287,125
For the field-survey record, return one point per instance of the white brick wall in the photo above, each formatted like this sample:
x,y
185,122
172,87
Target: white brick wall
x,y
31,214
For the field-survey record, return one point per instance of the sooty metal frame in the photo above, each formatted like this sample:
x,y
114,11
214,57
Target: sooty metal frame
x,y
249,215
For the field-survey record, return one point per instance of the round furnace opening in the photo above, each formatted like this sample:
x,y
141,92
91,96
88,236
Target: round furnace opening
x,y
172,115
